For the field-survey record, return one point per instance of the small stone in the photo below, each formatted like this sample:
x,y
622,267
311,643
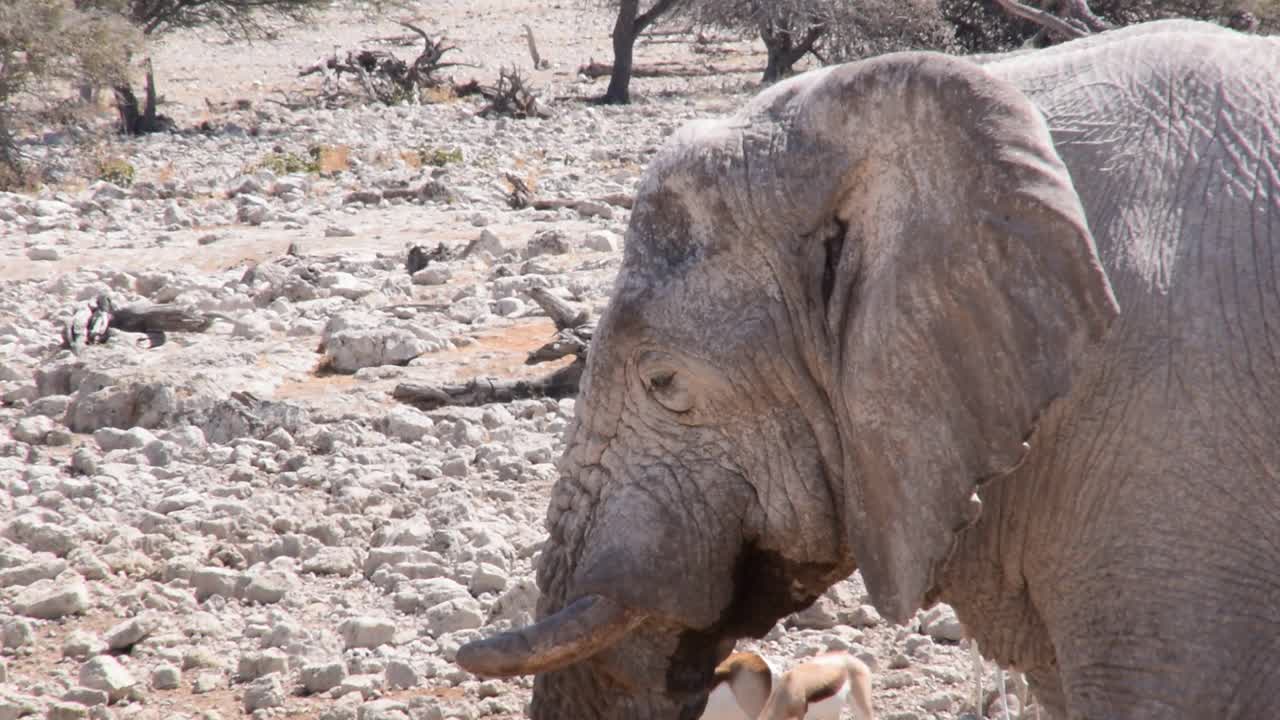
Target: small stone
x,y
43,253
80,644
17,633
338,231
408,424
821,615
601,241
468,310
487,242
509,306
863,616
86,696
547,242
49,602
401,675
33,430
367,632
940,702
265,692
323,677
268,587
592,208
368,686
940,623
105,673
488,578
254,665
66,711
453,615
206,682
211,581
208,239
166,677
383,710
131,632
432,276
333,561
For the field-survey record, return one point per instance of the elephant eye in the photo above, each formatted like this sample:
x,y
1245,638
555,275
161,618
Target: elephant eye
x,y
670,390
661,380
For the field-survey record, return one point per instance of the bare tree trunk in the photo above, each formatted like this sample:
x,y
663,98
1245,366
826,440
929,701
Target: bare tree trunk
x,y
626,29
783,51
624,41
135,120
149,112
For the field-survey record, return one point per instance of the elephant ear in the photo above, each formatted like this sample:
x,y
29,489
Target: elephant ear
x,y
960,287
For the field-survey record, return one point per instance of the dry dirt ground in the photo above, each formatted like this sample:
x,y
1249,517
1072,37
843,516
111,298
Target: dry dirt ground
x,y
921,671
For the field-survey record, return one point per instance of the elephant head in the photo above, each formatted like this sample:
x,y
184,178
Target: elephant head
x,y
838,312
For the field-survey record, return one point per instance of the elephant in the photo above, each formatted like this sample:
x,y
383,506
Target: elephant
x,y
1003,334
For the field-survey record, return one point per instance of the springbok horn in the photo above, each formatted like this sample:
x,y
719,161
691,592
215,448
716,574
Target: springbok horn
x,y
583,628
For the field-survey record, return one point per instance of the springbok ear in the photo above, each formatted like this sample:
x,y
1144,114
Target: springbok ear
x,y
961,290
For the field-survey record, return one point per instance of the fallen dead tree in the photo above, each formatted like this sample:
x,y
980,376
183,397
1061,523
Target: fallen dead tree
x,y
595,70
574,328
520,196
383,76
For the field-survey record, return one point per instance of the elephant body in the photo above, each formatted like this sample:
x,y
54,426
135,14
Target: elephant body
x,y
1002,332
1132,561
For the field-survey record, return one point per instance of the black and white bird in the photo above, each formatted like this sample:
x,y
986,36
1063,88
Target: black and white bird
x,y
90,324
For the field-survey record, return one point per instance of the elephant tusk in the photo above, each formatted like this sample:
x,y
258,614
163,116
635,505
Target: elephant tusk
x,y
583,628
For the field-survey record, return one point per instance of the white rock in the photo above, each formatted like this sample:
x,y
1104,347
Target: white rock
x,y
432,276
105,673
166,677
602,241
16,633
350,350
48,601
331,231
130,632
547,242
488,242
43,252
345,285
401,675
80,644
408,424
488,578
323,677
509,306
333,561
253,665
454,615
269,587
468,310
33,430
211,581
265,692
940,623
110,438
366,632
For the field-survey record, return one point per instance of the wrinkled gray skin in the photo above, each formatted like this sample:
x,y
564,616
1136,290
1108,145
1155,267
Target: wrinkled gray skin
x,y
844,310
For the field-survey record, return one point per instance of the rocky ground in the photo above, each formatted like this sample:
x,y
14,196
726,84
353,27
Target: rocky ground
x,y
243,521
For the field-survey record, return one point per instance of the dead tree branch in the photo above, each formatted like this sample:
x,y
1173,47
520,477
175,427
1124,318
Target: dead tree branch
x,y
574,328
538,62
512,98
1047,20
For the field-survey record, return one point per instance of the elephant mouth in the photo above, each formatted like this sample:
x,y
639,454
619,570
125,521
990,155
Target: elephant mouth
x,y
767,588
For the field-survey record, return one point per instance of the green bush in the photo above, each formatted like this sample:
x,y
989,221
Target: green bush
x,y
287,163
439,157
116,171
